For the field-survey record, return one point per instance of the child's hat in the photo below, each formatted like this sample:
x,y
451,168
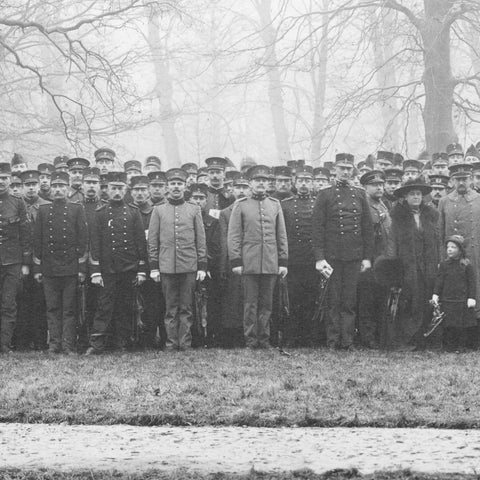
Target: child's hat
x,y
457,240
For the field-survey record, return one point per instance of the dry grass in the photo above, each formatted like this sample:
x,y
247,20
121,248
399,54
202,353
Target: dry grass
x,y
239,387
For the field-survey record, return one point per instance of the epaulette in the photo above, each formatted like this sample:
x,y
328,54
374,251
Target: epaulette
x,y
132,205
274,199
287,199
101,207
241,199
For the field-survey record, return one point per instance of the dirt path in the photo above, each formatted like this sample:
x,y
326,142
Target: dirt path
x,y
236,449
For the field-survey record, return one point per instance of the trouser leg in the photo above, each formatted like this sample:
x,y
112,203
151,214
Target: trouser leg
x,y
103,315
123,310
171,293
53,294
250,285
185,313
69,313
350,272
10,277
264,309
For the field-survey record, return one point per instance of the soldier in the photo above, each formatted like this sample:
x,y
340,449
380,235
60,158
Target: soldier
x,y
372,295
476,177
232,318
302,276
18,163
31,328
455,153
412,169
384,160
133,168
258,250
230,175
471,155
45,171
16,185
440,164
393,180
321,179
246,163
343,240
192,170
75,171
60,256
118,263
271,184
104,160
152,164
439,184
202,175
178,257
157,188
151,291
215,283
283,183
60,164
216,198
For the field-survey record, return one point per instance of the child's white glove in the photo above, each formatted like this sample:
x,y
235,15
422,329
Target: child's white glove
x,y
434,299
471,303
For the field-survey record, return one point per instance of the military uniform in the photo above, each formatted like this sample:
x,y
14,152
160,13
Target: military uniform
x,y
302,276
60,253
31,329
257,242
15,250
177,249
216,201
75,195
343,236
118,253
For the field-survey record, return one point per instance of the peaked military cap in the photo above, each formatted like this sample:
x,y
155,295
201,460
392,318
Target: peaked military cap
x,y
104,154
30,176
363,167
5,168
231,175
439,180
424,156
375,176
216,162
246,163
176,174
116,177
328,165
153,160
45,169
157,177
460,170
398,159
202,172
393,174
440,158
190,168
60,162
321,172
103,180
472,152
60,177
132,165
304,171
412,165
385,155
17,159
344,158
454,149
240,180
198,189
78,162
16,179
139,180
283,171
91,173
258,171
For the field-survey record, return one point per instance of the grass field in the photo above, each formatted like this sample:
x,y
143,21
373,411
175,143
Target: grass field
x,y
239,387
183,475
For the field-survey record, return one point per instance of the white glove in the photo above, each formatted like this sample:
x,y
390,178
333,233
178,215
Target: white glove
x,y
282,271
201,275
237,270
435,299
38,277
155,276
97,280
471,303
366,264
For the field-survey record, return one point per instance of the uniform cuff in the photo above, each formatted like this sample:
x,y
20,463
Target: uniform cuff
x,y
237,262
202,266
283,263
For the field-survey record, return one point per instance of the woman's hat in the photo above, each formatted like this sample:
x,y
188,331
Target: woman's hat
x,y
413,184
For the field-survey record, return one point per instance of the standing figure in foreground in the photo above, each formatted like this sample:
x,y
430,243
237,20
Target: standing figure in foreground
x,y
258,250
343,240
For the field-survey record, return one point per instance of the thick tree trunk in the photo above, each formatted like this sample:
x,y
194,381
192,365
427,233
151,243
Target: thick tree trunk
x,y
275,87
164,93
437,77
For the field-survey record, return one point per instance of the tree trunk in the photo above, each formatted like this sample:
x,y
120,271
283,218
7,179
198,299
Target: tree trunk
x,y
275,87
319,79
437,77
164,92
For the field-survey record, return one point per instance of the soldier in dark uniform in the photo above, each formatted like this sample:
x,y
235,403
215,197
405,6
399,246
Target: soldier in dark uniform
x,y
178,257
440,164
321,179
75,171
151,291
104,160
283,183
258,250
215,284
302,276
439,184
60,256
118,263
133,168
45,171
157,188
31,329
232,308
343,240
216,198
152,164
60,163
371,295
16,185
393,180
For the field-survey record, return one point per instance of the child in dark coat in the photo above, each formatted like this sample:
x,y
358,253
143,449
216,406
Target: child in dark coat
x,y
455,290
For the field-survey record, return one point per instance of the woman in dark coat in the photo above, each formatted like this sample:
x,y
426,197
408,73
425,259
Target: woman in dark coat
x,y
414,240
